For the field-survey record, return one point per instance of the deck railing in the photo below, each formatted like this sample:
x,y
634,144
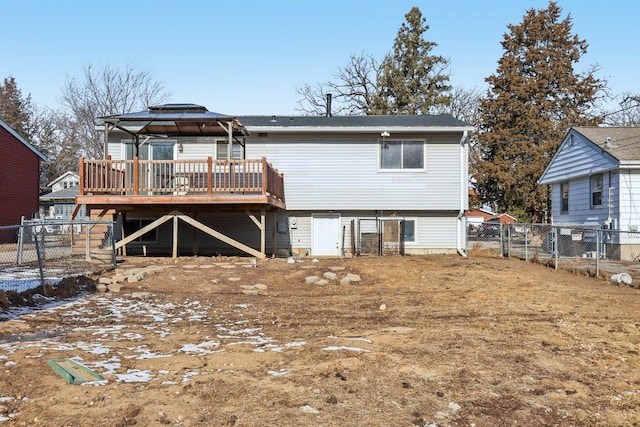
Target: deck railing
x,y
180,177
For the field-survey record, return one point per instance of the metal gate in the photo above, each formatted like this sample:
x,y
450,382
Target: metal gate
x,y
380,236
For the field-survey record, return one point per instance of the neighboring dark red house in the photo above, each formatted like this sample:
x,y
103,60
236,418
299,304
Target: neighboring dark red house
x,y
19,176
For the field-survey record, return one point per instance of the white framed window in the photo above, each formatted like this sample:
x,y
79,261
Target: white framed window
x,y
402,155
409,230
222,150
564,198
596,190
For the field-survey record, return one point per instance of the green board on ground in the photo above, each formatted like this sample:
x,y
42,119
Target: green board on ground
x,y
73,372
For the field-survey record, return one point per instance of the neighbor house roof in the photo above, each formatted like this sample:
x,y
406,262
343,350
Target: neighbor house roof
x,y
26,143
444,122
69,193
623,143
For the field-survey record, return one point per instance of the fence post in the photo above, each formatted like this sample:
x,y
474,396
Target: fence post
x,y
556,246
598,239
35,236
526,246
20,241
501,241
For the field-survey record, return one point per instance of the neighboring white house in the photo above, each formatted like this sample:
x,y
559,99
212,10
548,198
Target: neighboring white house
x,y
595,179
66,180
341,175
60,202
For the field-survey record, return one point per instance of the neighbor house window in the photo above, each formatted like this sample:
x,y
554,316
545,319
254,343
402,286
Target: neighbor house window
x,y
409,230
402,155
596,190
564,197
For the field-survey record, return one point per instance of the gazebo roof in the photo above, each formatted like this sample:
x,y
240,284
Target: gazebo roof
x,y
176,120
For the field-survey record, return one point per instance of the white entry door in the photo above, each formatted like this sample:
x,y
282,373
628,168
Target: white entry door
x,y
326,235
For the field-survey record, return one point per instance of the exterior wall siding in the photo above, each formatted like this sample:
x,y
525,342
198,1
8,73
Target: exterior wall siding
x,y
580,211
19,180
326,174
582,158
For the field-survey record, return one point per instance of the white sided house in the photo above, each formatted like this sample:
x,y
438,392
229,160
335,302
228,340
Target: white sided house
x,y
350,185
595,181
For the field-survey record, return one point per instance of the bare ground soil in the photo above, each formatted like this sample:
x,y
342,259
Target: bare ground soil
x,y
419,341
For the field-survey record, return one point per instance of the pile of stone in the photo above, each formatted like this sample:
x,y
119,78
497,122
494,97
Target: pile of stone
x,y
331,277
124,276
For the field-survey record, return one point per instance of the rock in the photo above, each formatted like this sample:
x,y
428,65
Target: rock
x,y
250,291
114,287
260,286
383,307
140,295
336,268
322,282
332,399
345,281
311,279
105,280
234,279
309,410
290,260
101,287
330,275
353,277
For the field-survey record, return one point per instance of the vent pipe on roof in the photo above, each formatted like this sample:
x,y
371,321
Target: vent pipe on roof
x,y
328,105
607,143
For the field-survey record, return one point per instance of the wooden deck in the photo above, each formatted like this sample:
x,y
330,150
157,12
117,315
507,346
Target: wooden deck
x,y
173,183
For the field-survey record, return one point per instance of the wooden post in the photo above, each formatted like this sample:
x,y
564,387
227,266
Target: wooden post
x,y
263,230
209,176
265,176
81,170
274,239
136,177
175,236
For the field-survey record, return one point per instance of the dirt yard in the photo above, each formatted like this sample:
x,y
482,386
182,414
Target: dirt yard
x,y
417,341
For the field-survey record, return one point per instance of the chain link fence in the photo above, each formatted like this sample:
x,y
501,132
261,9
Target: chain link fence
x,y
594,251
37,252
377,236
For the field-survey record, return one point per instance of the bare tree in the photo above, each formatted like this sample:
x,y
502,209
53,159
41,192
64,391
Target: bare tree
x,y
107,91
464,105
628,114
352,90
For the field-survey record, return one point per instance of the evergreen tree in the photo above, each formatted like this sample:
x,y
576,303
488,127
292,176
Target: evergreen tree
x,y
411,80
532,100
15,110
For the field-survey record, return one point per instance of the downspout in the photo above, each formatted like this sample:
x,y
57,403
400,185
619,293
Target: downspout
x,y
463,189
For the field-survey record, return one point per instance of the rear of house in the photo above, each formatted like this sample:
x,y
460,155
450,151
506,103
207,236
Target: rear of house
x,y
19,177
346,181
399,180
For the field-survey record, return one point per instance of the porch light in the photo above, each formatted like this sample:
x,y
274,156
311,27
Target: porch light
x,y
180,148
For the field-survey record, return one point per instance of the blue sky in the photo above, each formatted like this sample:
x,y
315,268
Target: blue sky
x,y
246,57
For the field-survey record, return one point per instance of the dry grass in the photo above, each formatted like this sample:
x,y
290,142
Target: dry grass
x,y
444,341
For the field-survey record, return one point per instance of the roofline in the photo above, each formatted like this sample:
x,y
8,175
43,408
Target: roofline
x,y
23,141
359,129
